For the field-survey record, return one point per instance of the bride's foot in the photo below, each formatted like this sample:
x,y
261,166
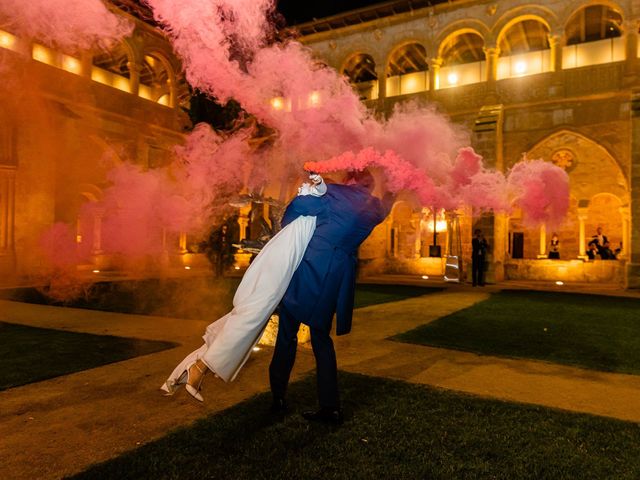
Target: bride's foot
x,y
195,376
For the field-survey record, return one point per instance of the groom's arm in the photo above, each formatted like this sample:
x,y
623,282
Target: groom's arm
x,y
302,205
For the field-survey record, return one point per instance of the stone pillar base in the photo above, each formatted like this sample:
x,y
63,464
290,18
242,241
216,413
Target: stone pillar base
x,y
632,279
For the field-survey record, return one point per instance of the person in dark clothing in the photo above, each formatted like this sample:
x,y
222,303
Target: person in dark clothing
x,y
324,285
220,251
479,247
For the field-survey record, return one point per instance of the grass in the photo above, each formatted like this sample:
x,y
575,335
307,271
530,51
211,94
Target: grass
x,y
590,331
197,298
30,354
392,430
370,294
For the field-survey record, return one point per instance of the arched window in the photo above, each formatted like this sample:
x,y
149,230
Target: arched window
x,y
112,68
593,36
407,71
361,71
524,49
462,60
155,80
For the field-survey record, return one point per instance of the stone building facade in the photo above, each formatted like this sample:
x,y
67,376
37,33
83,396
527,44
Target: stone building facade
x,y
557,80
67,117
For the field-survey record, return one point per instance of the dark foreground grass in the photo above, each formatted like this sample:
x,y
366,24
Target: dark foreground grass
x,y
196,298
595,332
29,354
371,294
393,430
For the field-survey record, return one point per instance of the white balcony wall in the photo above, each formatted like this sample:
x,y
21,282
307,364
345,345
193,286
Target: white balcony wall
x,y
406,84
463,74
593,53
521,65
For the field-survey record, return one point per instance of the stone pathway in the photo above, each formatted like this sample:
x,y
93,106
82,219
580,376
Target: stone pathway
x,y
61,426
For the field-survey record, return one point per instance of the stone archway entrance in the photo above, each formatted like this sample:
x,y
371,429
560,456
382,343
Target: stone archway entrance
x,y
599,198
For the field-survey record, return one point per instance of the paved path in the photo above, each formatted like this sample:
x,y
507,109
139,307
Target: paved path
x,y
60,426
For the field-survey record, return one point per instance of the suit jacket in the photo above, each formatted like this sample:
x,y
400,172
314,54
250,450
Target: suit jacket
x,y
324,283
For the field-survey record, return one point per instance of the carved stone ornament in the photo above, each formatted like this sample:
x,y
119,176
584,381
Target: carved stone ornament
x,y
333,45
564,159
377,33
492,9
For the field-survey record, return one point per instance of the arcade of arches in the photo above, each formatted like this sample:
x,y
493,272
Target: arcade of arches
x,y
552,80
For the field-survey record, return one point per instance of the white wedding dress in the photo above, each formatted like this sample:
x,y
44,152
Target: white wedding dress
x,y
228,341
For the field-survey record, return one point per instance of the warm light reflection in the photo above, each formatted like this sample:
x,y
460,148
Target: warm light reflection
x,y
144,92
7,40
559,283
100,76
425,277
187,267
314,99
256,349
121,83
520,67
164,100
43,54
452,78
277,103
237,268
71,64
96,271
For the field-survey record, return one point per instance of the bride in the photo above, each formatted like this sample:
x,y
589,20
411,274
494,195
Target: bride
x,y
229,340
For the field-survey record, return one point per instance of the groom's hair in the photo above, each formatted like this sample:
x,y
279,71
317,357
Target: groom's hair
x,y
363,178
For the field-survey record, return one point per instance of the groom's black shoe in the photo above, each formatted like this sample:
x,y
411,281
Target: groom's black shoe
x,y
333,416
279,406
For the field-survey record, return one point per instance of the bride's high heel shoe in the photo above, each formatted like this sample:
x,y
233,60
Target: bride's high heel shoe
x,y
194,390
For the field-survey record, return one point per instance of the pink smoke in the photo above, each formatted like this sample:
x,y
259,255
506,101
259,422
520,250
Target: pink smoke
x,y
69,24
58,244
540,189
141,204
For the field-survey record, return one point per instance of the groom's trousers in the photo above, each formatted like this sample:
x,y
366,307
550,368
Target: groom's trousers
x,y
284,357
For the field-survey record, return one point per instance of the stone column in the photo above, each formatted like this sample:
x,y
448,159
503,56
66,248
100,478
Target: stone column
x,y
86,64
134,77
624,213
381,73
555,44
543,242
243,222
182,243
7,221
633,249
500,247
96,248
434,74
582,241
487,141
631,47
491,55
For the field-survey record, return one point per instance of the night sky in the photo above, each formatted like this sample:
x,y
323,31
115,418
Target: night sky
x,y
300,11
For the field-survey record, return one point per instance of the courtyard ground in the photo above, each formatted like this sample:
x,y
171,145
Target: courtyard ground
x,y
61,426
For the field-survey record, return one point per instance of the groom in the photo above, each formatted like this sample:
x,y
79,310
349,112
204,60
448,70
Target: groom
x,y
324,284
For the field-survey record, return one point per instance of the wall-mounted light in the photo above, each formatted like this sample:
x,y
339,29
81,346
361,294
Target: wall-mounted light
x,y
452,78
277,103
520,67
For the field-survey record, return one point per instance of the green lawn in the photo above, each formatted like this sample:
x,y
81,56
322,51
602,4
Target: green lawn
x,y
393,430
595,332
29,354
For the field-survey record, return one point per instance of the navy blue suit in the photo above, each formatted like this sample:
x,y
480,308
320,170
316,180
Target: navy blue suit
x,y
324,283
